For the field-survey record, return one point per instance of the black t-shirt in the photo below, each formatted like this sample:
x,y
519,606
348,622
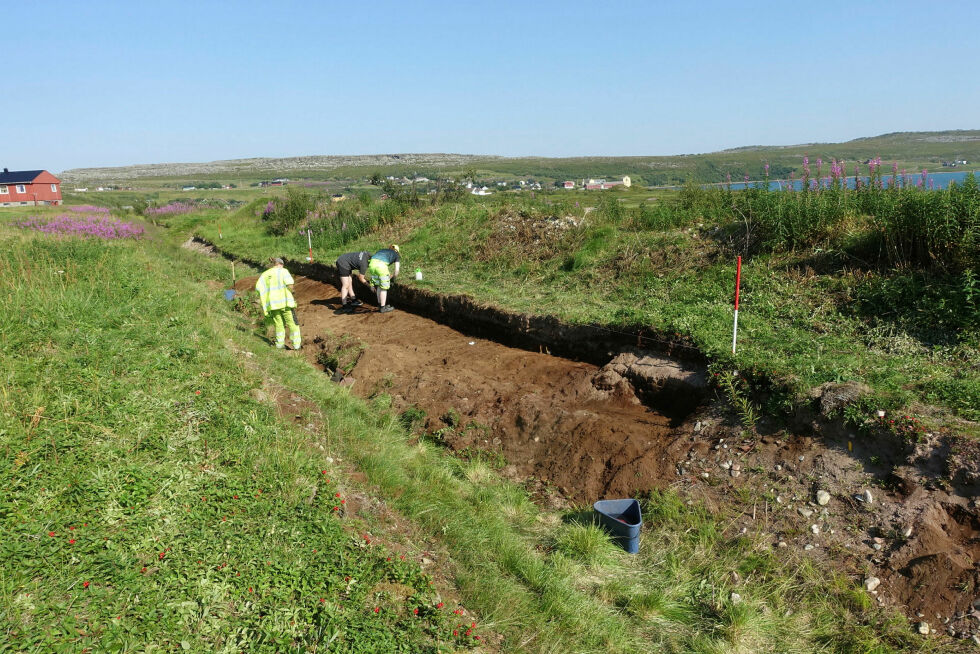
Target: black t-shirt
x,y
353,260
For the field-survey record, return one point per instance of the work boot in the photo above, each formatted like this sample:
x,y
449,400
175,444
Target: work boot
x,y
355,303
346,309
386,308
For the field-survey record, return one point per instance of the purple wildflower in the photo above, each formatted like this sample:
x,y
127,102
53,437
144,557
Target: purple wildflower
x,y
97,225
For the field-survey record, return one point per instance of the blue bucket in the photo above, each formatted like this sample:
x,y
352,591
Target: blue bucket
x,y
622,519
230,294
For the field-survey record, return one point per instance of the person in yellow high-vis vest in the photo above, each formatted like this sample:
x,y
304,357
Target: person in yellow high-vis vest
x,y
275,291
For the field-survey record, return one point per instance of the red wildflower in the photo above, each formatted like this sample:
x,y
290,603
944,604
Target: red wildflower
x,y
143,570
197,392
336,494
336,508
51,533
323,600
416,611
85,585
454,633
71,529
323,472
343,501
236,497
439,605
71,541
161,555
377,609
469,631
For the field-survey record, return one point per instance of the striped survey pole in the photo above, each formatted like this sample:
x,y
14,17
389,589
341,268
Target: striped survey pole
x,y
309,239
738,279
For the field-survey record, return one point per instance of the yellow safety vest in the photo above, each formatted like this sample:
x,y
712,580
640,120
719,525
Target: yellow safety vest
x,y
273,287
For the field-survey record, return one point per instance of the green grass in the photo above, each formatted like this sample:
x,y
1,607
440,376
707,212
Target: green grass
x,y
148,499
126,451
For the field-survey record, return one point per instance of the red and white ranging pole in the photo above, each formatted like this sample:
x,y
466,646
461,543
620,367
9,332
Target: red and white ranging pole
x,y
309,239
738,279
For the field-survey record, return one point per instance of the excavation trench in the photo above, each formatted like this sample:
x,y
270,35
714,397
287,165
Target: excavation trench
x,y
620,413
591,432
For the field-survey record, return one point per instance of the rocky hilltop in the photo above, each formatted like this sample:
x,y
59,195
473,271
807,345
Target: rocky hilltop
x,y
269,165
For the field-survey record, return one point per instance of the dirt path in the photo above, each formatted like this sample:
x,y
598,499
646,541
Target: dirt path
x,y
575,432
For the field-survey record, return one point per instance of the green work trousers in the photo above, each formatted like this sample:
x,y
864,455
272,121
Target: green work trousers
x,y
282,318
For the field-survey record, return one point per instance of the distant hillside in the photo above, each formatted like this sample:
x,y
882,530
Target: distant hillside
x,y
270,165
911,150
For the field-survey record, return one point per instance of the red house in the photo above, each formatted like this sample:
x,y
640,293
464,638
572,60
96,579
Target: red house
x,y
29,187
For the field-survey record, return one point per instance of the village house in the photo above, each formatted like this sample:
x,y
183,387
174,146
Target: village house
x,y
602,185
29,187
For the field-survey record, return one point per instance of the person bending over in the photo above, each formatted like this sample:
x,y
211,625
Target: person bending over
x,y
346,264
383,267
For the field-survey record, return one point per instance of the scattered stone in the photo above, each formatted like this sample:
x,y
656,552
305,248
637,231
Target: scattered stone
x,y
808,547
877,547
805,512
736,598
778,467
976,639
871,583
781,543
815,529
705,475
735,473
726,465
329,459
923,628
779,499
865,497
735,577
879,540
823,497
697,426
907,532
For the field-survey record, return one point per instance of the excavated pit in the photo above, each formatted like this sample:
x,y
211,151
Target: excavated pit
x,y
591,432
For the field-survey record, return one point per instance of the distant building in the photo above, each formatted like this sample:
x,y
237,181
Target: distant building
x,y
483,190
568,184
29,187
603,185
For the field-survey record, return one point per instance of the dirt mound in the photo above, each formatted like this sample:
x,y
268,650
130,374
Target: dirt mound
x,y
578,432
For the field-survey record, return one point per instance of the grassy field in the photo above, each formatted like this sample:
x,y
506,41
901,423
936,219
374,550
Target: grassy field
x,y
156,498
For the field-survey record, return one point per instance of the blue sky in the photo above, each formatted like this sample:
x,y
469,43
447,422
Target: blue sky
x,y
118,83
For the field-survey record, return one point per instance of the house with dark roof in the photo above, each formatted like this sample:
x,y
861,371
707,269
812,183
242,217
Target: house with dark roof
x,y
21,188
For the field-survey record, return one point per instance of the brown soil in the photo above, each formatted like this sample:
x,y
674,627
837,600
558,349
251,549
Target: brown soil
x,y
575,432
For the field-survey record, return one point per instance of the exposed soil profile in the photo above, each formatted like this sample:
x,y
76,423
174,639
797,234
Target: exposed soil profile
x,y
575,432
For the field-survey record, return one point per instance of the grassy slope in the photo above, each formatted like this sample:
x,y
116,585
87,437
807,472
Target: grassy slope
x,y
116,349
148,499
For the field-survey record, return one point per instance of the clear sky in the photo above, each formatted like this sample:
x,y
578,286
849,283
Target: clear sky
x,y
102,83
